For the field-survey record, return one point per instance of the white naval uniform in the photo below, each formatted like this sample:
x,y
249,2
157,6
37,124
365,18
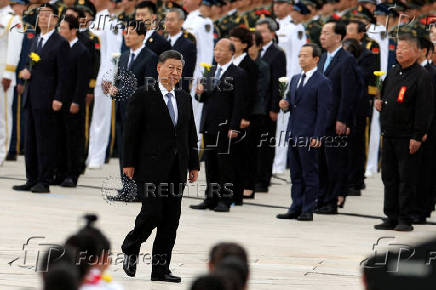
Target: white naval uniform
x,y
202,28
375,32
11,39
110,43
291,38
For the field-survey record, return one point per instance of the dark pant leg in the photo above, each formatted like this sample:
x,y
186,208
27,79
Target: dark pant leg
x,y
74,138
45,144
408,166
267,151
296,173
356,164
31,156
390,178
211,168
238,152
62,160
15,115
251,152
310,177
148,218
323,177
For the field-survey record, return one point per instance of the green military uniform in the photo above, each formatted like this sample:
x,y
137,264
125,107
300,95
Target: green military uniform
x,y
372,45
226,23
313,30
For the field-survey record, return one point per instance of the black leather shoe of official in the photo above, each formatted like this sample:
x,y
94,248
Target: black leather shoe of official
x,y
403,228
166,278
327,210
11,157
201,205
23,187
221,207
417,220
290,215
129,265
40,188
69,182
261,188
352,191
386,225
305,217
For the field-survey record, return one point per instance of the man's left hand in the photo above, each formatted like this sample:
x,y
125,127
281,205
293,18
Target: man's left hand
x,y
74,108
193,175
414,146
57,105
6,83
232,134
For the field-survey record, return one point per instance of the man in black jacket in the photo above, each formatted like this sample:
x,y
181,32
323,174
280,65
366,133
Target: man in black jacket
x,y
146,12
406,107
222,96
276,59
70,119
42,97
160,146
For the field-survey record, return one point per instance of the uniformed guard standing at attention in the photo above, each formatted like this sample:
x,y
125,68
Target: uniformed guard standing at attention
x,y
406,111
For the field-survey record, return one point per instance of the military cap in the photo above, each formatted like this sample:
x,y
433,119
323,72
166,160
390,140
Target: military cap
x,y
301,8
368,1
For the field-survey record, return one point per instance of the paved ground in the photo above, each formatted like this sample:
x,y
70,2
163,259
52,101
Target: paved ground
x,y
324,254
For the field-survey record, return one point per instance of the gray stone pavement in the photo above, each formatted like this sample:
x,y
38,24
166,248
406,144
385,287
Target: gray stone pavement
x,y
324,254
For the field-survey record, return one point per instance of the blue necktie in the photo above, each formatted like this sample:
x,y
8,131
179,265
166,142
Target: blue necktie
x,y
171,108
217,76
327,62
302,81
132,58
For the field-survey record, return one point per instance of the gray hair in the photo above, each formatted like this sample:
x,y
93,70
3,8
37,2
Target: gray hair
x,y
170,54
272,25
179,12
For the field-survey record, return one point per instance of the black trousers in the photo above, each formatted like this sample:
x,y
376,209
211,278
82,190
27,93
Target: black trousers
x,y
357,154
399,175
40,145
220,171
160,209
267,151
425,191
70,136
333,170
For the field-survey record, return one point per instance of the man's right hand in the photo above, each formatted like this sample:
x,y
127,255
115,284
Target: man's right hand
x,y
129,171
284,105
199,89
20,89
25,74
273,116
378,105
89,98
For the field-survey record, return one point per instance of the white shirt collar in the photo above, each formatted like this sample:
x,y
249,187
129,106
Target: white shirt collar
x,y
265,48
174,38
148,35
237,60
165,91
424,62
72,42
309,73
138,50
332,55
46,36
223,67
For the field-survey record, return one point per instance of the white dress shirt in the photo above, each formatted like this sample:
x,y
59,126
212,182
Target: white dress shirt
x,y
73,42
173,39
223,68
148,35
237,60
45,37
173,99
135,53
308,76
265,47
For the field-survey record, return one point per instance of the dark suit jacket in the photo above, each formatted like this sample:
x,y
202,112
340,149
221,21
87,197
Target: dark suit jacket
x,y
77,81
310,109
49,74
222,104
189,51
157,43
344,77
276,59
151,142
251,70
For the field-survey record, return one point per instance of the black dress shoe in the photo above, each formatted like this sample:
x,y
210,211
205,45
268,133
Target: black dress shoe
x,y
290,215
419,220
69,182
166,278
129,265
239,202
40,188
354,192
221,207
261,188
306,217
11,157
327,210
403,228
201,205
23,187
386,225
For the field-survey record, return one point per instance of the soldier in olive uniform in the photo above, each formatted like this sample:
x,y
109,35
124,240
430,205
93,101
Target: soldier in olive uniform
x,y
314,26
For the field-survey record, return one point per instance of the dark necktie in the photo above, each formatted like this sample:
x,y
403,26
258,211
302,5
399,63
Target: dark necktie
x,y
217,76
302,81
171,108
132,58
39,44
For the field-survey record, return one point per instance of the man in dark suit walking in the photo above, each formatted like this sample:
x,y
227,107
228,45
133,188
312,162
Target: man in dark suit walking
x,y
146,12
222,96
276,59
137,63
160,146
339,67
70,119
43,96
182,42
308,99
